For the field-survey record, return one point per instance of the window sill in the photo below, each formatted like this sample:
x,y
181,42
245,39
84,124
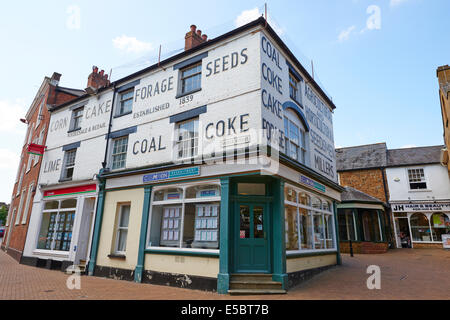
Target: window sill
x,y
183,252
181,95
64,180
123,114
117,256
420,190
73,130
309,253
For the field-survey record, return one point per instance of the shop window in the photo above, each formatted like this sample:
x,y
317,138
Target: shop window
x,y
290,194
190,78
417,179
440,224
56,225
291,221
185,217
370,225
305,229
420,227
309,224
123,219
346,221
119,152
251,189
187,141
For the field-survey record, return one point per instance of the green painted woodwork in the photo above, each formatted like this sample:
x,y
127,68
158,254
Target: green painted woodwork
x,y
336,231
278,232
97,227
223,278
143,236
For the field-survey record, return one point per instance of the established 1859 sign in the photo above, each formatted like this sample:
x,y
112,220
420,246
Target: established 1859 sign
x,y
422,207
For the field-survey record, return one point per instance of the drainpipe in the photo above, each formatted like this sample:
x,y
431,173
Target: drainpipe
x,y
383,174
109,127
336,232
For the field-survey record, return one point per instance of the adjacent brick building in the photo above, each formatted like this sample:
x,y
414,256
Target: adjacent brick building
x,y
37,119
364,169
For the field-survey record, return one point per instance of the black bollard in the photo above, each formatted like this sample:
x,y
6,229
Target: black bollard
x,y
351,248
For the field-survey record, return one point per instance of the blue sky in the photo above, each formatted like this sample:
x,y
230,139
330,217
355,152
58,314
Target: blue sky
x,y
376,58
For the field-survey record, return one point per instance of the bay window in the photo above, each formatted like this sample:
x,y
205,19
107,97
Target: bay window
x,y
309,221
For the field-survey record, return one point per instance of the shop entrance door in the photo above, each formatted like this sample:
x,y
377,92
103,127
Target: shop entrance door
x,y
402,234
251,238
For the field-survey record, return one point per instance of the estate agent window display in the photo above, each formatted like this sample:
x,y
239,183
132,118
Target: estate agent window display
x,y
309,222
185,217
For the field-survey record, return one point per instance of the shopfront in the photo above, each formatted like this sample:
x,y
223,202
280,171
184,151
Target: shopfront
x,y
201,231
63,229
421,225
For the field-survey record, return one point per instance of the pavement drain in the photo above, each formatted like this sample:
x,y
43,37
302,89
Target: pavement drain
x,y
49,290
404,277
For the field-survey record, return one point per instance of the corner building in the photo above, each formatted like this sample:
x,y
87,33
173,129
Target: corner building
x,y
189,193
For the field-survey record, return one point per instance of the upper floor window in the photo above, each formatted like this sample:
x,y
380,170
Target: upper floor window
x,y
416,179
77,116
293,87
295,144
125,102
40,116
191,78
69,164
119,152
187,140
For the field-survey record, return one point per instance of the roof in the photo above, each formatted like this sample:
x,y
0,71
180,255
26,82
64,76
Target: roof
x,y
258,22
71,91
361,157
353,195
414,156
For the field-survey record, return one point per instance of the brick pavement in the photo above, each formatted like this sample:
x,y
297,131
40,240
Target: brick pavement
x,y
406,274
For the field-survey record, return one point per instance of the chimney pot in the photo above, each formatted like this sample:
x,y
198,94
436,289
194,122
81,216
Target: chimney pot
x,y
204,37
102,72
193,27
94,69
199,32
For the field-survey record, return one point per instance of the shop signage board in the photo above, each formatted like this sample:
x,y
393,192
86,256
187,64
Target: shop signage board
x,y
171,174
70,191
309,182
446,241
422,207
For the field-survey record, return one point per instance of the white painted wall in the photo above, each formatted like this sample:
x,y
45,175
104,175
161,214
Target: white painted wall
x,y
438,184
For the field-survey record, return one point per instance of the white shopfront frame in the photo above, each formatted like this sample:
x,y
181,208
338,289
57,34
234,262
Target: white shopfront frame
x,y
181,202
311,211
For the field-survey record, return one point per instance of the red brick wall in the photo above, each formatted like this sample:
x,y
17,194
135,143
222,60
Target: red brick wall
x,y
368,181
428,246
364,247
19,231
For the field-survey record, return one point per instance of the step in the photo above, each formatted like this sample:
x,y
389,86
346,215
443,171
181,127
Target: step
x,y
255,291
255,284
251,277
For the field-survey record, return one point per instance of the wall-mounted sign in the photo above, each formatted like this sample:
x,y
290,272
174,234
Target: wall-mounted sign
x,y
208,193
423,207
309,182
36,149
171,174
446,241
70,191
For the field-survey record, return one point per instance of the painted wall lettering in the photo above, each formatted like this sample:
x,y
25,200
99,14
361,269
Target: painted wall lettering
x,y
102,108
145,146
154,89
271,103
151,110
226,63
58,124
227,127
52,165
271,52
87,129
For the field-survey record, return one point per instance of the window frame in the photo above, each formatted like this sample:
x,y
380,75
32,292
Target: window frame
x,y
182,202
113,155
182,79
297,88
299,144
120,110
312,212
424,180
119,228
194,142
27,203
76,119
65,167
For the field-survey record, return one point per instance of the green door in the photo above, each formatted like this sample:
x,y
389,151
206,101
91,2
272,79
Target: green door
x,y
251,238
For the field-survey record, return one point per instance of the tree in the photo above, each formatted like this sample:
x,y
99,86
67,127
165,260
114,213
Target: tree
x,y
3,214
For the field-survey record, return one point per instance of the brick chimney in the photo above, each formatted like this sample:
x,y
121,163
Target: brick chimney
x,y
193,38
97,79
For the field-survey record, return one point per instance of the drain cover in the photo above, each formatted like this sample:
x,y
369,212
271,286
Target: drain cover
x,y
49,290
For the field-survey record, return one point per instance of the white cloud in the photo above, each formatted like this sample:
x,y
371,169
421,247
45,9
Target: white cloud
x,y
345,34
247,16
406,146
394,3
73,21
131,44
11,113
